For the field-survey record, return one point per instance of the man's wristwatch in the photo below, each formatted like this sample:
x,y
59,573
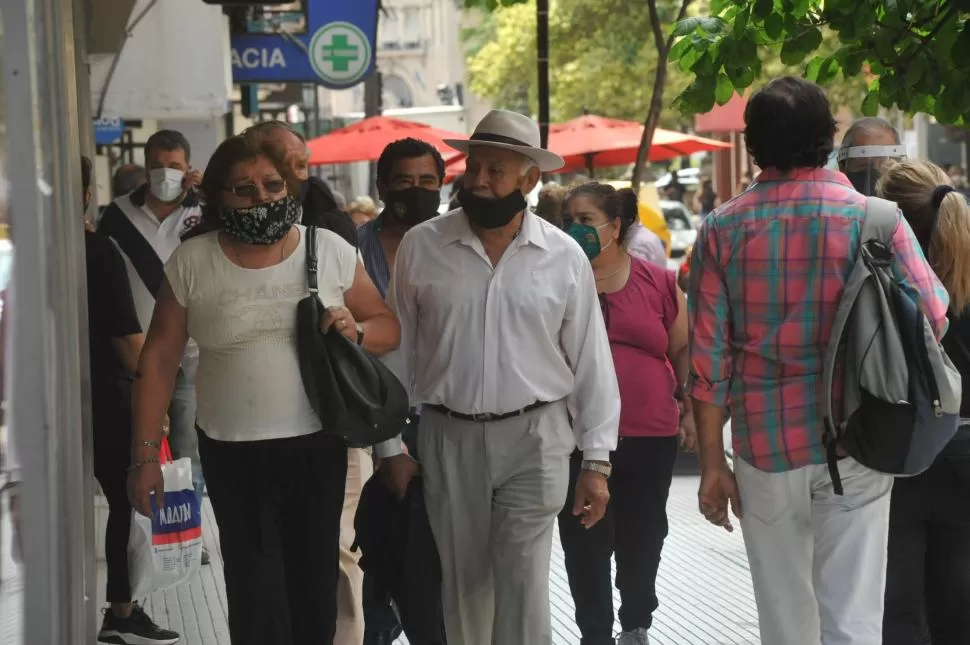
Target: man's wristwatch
x,y
360,334
601,467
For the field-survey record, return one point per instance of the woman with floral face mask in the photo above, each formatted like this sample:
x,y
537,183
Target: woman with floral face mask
x,y
646,321
275,480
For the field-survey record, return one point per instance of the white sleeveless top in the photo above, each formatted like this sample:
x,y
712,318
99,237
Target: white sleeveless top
x,y
248,384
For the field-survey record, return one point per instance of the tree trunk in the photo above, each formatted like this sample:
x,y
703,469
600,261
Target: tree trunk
x,y
542,45
659,84
373,106
653,118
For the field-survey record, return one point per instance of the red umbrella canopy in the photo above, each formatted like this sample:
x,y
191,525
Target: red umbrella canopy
x,y
366,140
602,142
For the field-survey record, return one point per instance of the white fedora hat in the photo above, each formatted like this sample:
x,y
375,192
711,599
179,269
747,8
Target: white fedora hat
x,y
512,131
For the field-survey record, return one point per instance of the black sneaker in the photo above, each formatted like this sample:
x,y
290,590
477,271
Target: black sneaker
x,y
137,629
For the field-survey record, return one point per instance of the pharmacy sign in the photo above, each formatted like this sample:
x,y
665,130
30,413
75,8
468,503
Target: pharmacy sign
x,y
340,53
336,48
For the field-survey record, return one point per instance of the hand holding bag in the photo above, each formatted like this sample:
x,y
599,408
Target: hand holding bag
x,y
165,550
356,396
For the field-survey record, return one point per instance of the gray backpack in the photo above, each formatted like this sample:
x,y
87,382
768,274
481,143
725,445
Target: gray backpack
x,y
901,393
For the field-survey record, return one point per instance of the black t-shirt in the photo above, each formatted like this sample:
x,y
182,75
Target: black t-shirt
x,y
111,314
957,346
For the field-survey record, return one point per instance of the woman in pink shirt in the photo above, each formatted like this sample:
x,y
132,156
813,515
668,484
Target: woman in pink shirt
x,y
646,320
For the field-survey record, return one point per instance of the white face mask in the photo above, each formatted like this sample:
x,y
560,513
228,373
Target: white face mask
x,y
166,183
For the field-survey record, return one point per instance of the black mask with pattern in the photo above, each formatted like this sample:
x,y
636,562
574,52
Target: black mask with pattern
x,y
261,224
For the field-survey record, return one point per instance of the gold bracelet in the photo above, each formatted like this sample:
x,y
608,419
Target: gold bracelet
x,y
138,464
157,445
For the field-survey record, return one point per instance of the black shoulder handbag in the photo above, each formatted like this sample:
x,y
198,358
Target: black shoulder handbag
x,y
356,396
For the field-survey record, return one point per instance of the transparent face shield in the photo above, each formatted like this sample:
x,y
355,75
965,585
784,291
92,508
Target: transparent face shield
x,y
863,164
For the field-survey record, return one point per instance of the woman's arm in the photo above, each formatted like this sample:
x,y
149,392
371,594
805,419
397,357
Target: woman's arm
x,y
678,351
382,332
157,368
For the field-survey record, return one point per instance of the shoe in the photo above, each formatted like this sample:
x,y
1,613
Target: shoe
x,y
637,637
137,629
206,560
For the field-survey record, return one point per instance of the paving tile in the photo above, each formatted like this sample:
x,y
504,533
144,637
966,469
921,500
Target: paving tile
x,y
704,586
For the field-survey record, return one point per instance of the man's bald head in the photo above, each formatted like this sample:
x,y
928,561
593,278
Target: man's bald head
x,y
871,131
127,179
289,144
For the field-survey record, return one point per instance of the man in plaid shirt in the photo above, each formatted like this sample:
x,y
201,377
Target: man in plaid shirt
x,y
767,272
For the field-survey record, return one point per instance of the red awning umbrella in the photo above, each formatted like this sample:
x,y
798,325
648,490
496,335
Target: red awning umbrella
x,y
591,141
366,140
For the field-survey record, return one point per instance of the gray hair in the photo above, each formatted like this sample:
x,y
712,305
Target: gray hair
x,y
528,163
869,126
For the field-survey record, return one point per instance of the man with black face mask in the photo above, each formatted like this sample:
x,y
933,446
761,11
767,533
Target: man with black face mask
x,y
503,346
409,178
869,145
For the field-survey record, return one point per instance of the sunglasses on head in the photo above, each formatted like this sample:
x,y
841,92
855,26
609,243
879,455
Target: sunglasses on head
x,y
252,190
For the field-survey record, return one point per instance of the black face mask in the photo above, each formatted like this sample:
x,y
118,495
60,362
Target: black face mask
x,y
491,213
413,205
861,181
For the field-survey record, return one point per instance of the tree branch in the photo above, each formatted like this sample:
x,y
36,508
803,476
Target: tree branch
x,y
680,16
658,34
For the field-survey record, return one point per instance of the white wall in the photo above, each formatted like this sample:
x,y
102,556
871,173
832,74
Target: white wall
x,y
175,65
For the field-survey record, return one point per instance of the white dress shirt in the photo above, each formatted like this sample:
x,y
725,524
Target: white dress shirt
x,y
477,339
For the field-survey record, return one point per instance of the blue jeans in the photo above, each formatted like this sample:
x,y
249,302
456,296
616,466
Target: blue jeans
x,y
182,436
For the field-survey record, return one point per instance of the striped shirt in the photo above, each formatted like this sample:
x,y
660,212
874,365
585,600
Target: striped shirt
x,y
375,260
767,271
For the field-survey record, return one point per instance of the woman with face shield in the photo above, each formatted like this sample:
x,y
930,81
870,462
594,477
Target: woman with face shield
x,y
646,321
928,573
275,479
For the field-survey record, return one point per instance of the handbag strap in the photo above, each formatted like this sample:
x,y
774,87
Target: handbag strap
x,y
311,259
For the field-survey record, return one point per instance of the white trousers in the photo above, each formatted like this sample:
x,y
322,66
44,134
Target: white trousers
x,y
818,560
493,491
350,580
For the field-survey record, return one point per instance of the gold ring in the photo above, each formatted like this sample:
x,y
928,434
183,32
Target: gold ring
x,y
343,323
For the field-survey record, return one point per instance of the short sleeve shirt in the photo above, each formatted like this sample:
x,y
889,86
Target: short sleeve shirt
x,y
111,308
248,384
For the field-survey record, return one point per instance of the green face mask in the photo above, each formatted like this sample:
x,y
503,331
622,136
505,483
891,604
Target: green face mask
x,y
588,237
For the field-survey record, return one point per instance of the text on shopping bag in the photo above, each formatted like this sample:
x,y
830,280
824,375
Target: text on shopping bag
x,y
180,520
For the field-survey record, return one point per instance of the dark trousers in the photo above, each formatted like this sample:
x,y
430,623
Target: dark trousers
x,y
278,504
111,416
634,529
928,574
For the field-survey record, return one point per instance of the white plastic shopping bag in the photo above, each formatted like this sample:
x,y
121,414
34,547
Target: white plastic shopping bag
x,y
166,550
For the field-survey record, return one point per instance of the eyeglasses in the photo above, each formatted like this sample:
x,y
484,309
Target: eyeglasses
x,y
272,186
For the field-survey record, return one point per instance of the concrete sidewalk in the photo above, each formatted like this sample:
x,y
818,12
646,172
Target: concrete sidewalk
x,y
704,586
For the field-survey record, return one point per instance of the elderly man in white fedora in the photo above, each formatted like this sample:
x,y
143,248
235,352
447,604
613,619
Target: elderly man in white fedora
x,y
504,347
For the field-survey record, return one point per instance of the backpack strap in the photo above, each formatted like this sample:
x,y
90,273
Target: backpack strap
x,y
311,259
879,225
116,225
882,218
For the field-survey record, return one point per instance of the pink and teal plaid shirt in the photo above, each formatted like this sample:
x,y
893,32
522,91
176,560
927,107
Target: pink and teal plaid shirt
x,y
770,267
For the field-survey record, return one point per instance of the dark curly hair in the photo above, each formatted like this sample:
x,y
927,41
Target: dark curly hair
x,y
617,204
408,148
789,124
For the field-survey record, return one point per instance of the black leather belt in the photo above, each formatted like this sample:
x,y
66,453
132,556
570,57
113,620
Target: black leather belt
x,y
485,417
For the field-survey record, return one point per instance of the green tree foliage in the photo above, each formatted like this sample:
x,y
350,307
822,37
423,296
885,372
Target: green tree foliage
x,y
602,58
913,48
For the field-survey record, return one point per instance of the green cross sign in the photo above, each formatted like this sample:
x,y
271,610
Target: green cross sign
x,y
340,53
